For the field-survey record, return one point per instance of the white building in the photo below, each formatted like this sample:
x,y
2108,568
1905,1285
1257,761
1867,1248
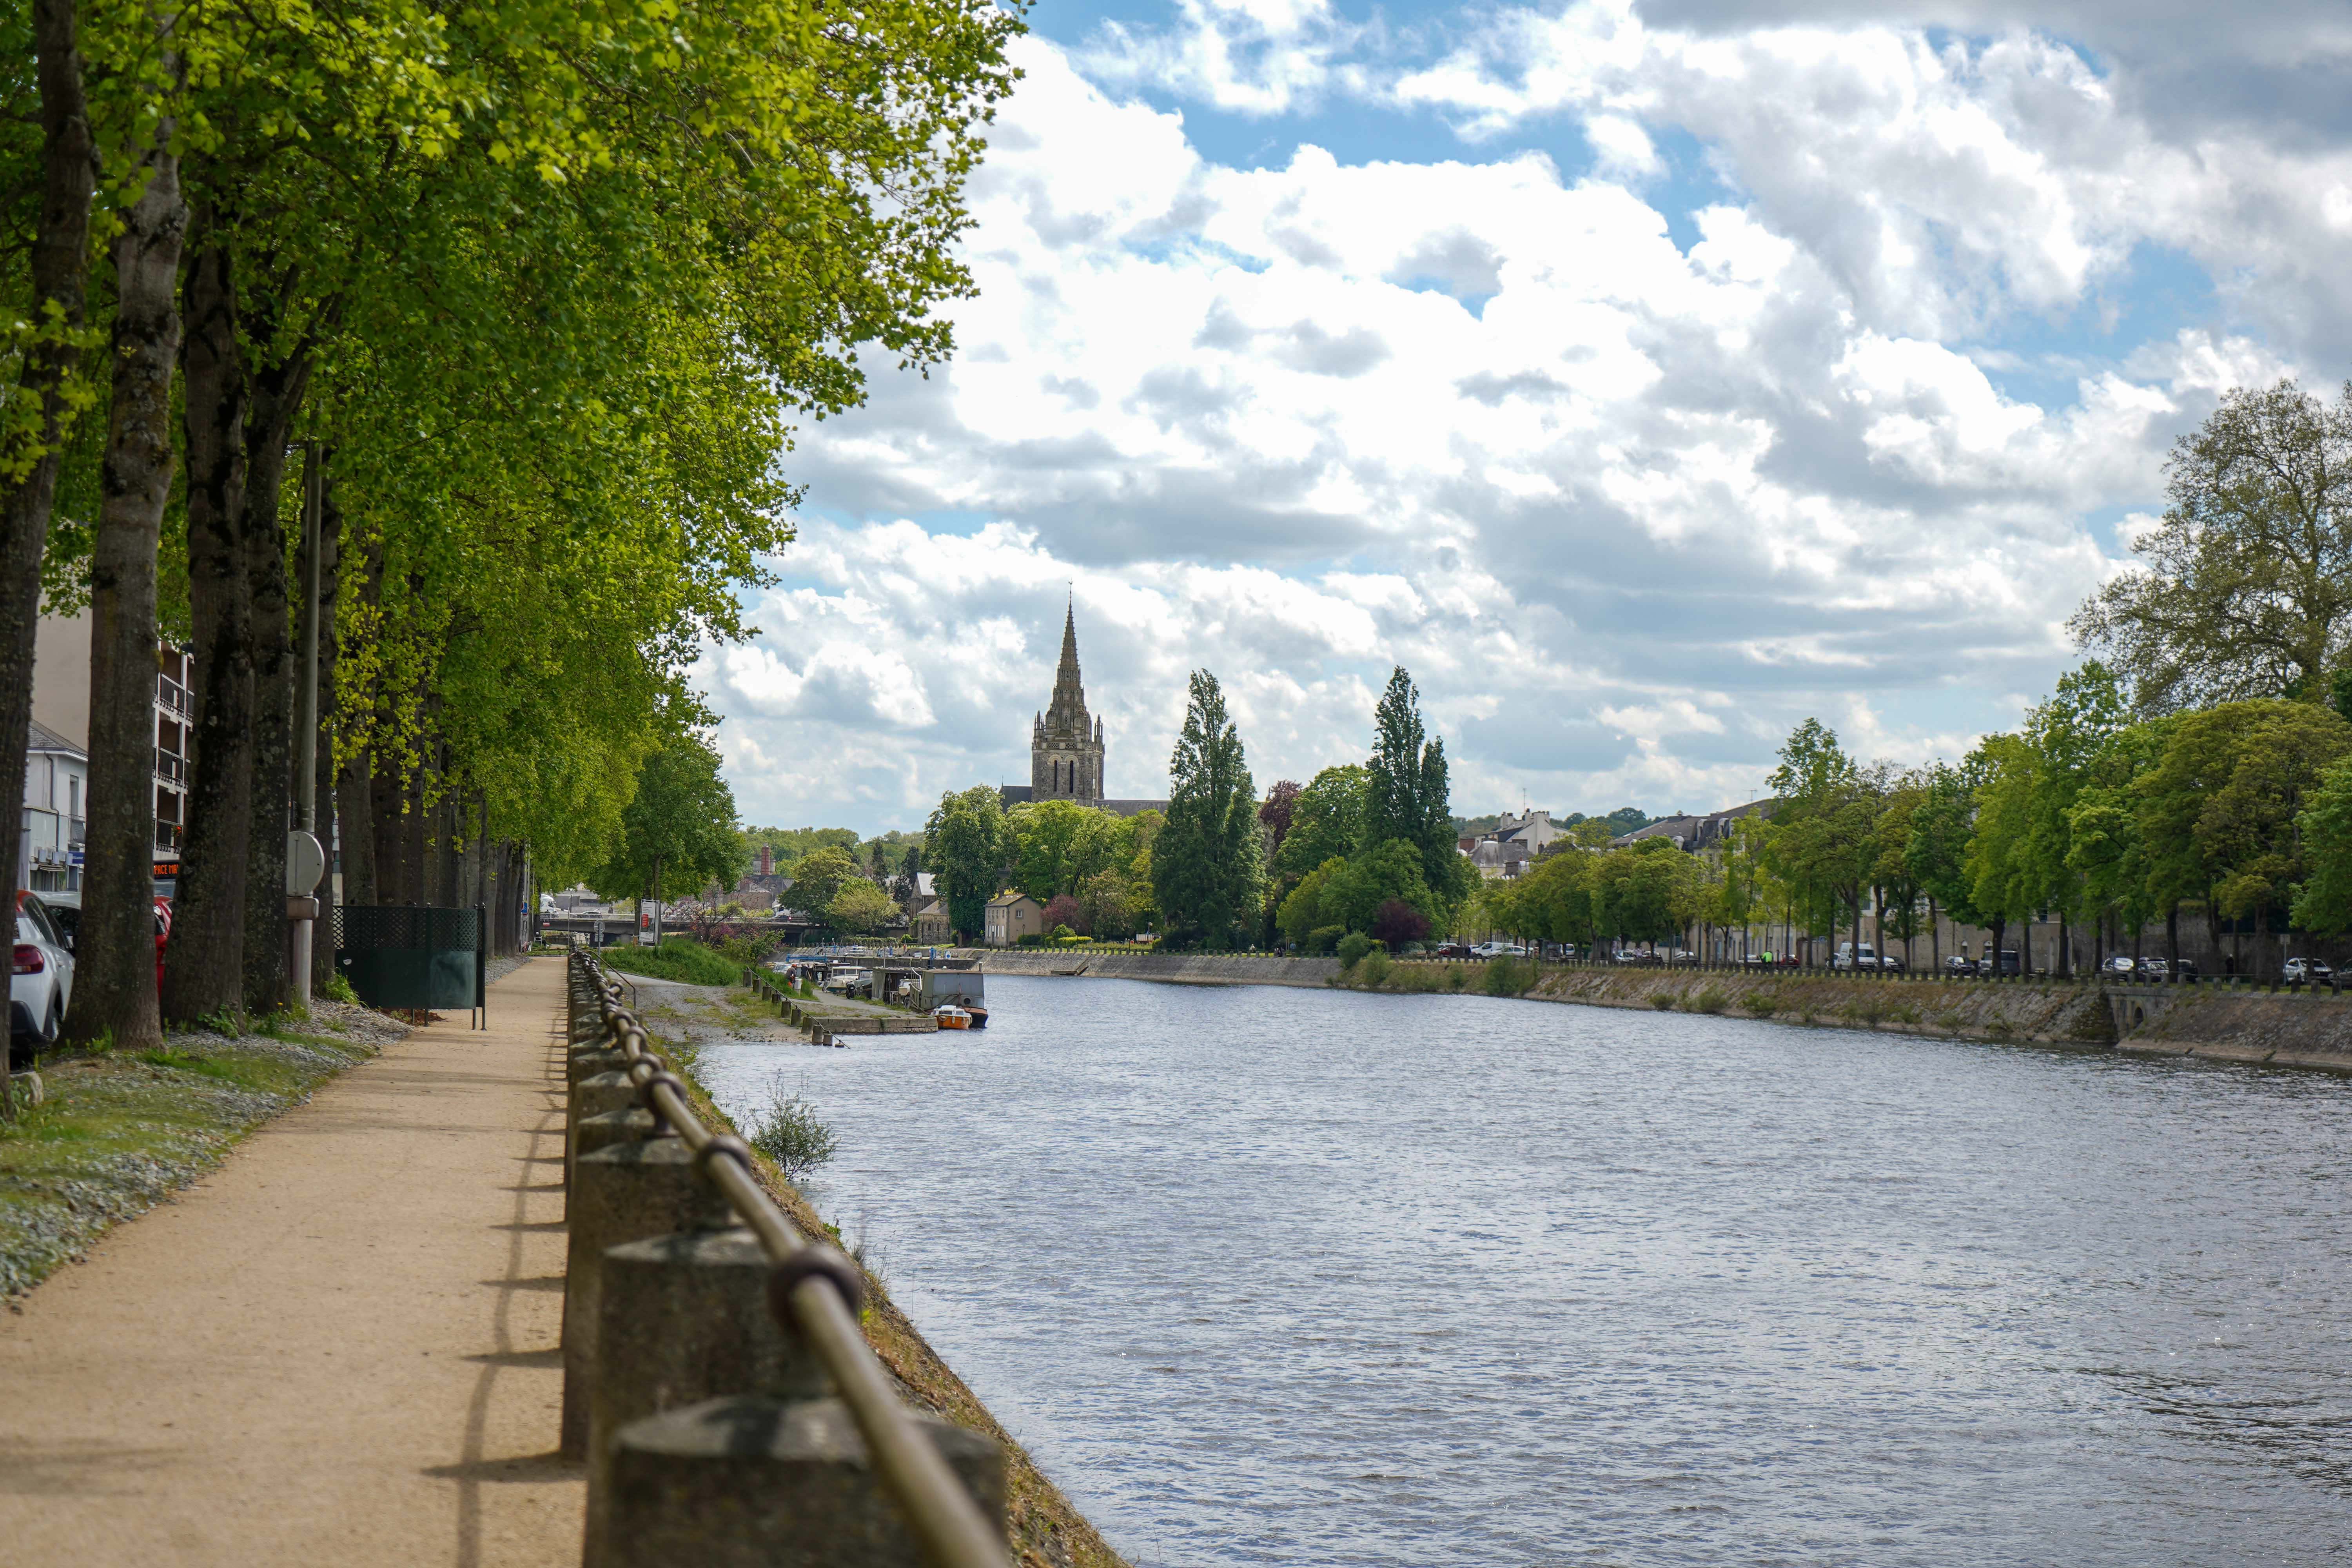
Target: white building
x,y
49,842
61,707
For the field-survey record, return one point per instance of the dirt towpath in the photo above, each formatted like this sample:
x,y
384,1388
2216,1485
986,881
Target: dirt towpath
x,y
340,1348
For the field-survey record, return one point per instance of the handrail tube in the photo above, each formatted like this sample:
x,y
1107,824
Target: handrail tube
x,y
953,1531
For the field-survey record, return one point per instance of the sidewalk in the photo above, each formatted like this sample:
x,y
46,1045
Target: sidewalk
x,y
338,1349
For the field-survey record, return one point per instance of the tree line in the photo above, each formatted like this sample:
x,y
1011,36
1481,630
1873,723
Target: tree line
x,y
493,319
2202,760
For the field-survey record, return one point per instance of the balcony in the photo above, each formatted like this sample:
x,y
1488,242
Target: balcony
x,y
170,768
173,697
167,839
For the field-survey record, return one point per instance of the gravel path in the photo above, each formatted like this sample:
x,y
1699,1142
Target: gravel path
x,y
339,1348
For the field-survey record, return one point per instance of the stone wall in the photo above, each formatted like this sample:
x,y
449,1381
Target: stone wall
x,y
1175,968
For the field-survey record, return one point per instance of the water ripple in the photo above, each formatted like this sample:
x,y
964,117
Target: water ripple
x,y
1292,1277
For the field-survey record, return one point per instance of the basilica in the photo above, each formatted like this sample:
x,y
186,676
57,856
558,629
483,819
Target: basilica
x,y
1065,743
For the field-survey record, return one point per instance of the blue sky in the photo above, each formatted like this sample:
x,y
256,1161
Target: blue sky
x,y
1645,379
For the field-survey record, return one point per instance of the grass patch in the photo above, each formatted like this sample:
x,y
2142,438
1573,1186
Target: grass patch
x,y
678,958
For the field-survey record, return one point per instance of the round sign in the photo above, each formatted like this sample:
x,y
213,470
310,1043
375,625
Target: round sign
x,y
305,863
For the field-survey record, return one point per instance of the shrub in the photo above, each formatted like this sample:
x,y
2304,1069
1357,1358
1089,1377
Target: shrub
x,y
1509,977
1352,948
1373,970
1664,1001
1456,977
678,958
1709,1000
1763,1004
1064,916
1063,933
794,1136
1323,939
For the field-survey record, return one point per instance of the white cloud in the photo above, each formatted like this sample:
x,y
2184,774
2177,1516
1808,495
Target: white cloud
x,y
1627,509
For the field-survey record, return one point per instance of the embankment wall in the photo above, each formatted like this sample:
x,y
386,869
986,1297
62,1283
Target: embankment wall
x,y
1175,968
2219,1023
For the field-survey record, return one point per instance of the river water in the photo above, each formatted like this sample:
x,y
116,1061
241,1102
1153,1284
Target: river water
x,y
1266,1276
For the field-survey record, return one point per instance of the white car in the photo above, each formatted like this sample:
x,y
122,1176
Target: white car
x,y
40,983
1498,950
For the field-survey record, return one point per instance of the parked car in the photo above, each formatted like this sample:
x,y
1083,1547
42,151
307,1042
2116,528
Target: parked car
x,y
2005,964
1453,949
2121,964
64,913
1959,963
1635,955
1850,956
40,983
2309,970
1498,950
1893,960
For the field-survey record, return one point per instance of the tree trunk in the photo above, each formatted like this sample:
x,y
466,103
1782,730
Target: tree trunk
x,y
2065,953
114,953
2172,939
325,774
1935,935
61,282
276,397
206,971
2000,927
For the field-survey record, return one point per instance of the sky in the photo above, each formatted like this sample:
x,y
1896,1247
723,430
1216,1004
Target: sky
x,y
1643,378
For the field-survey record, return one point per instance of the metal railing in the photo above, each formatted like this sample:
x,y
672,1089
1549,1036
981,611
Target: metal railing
x,y
816,1291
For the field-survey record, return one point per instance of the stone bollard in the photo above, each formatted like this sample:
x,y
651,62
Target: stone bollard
x,y
625,1192
598,1096
627,1125
746,1480
685,1319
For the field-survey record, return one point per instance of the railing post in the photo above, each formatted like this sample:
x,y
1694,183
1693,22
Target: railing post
x,y
747,1481
625,1191
685,1319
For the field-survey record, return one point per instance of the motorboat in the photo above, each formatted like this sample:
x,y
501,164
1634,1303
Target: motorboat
x,y
951,1017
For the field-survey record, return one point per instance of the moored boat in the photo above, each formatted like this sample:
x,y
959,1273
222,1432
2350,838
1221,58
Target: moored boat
x,y
951,1017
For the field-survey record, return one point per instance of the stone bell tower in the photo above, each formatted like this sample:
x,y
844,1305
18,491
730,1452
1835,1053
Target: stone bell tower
x,y
1065,746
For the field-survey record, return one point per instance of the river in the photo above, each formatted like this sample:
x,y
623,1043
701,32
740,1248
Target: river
x,y
1266,1276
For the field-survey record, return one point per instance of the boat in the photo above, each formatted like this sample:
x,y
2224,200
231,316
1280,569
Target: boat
x,y
951,1017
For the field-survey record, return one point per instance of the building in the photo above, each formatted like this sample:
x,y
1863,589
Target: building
x,y
61,705
930,926
1011,916
1695,833
49,839
1516,843
1065,743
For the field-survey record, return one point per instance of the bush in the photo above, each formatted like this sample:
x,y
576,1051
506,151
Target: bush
x,y
678,958
794,1136
1763,1004
1323,939
1710,1000
1063,933
1664,1001
1508,976
1373,970
1455,977
1352,948
1064,916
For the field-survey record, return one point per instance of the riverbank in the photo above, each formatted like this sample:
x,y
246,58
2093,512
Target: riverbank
x,y
1170,968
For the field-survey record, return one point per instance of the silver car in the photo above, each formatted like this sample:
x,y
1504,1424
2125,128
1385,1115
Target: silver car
x,y
40,983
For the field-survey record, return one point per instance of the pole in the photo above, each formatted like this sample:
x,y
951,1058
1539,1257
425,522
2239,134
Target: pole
x,y
306,725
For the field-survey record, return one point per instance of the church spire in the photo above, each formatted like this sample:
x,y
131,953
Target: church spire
x,y
1068,708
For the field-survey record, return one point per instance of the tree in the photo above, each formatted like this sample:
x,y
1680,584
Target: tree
x,y
860,906
820,877
2244,590
1397,922
1359,885
965,840
678,830
2324,902
1822,845
1205,869
1276,811
1326,821
1065,910
1407,794
1301,911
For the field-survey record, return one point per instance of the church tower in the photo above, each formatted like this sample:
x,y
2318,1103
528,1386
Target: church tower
x,y
1065,746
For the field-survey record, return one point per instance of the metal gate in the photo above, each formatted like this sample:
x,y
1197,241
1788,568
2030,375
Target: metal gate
x,y
414,955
